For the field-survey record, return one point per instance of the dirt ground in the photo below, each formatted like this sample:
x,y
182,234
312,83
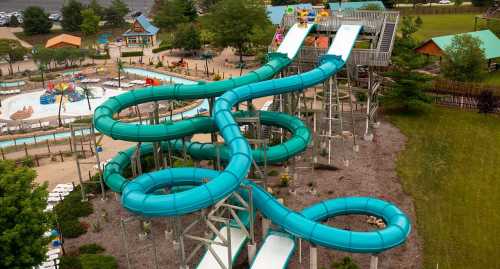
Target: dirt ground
x,y
371,172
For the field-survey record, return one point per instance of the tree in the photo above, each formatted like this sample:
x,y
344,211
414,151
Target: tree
x,y
174,12
487,102
114,14
187,37
119,67
407,94
205,5
283,2
90,24
230,27
36,21
458,2
14,22
464,59
72,16
11,51
97,8
482,3
22,220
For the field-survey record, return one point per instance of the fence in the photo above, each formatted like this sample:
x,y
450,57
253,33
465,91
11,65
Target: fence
x,y
57,149
430,10
457,88
463,95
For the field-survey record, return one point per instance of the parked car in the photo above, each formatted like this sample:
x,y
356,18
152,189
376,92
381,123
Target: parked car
x,y
444,2
55,17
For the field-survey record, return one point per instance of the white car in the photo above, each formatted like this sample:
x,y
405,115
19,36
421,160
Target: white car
x,y
444,2
55,17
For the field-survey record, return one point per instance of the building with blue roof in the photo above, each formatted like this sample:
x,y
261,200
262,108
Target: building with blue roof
x,y
356,5
142,33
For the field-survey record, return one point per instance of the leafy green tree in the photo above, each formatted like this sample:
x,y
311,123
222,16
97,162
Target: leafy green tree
x,y
230,27
36,21
407,93
72,16
11,51
458,2
482,3
115,14
14,22
283,2
90,24
187,37
464,59
22,220
174,12
98,9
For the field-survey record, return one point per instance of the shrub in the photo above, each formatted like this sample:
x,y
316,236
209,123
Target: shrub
x,y
72,228
70,262
486,102
284,180
28,162
132,53
182,163
161,48
273,173
217,77
46,77
101,56
346,263
93,261
159,64
91,249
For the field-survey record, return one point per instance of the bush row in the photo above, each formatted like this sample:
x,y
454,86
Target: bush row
x,y
132,53
69,210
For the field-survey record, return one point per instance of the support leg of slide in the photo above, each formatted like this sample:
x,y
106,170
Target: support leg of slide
x,y
313,257
374,262
266,224
252,250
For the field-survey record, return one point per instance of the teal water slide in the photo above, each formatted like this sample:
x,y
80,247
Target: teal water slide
x,y
137,194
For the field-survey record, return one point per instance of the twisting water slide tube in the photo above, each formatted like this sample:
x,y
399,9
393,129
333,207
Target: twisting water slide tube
x,y
137,194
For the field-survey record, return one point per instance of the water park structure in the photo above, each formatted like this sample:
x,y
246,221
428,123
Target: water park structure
x,y
225,198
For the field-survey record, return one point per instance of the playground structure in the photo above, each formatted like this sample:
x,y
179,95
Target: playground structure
x,y
225,199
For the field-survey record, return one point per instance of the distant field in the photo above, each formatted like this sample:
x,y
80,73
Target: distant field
x,y
437,25
451,169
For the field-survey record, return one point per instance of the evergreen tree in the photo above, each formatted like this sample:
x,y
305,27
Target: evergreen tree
x,y
22,220
72,17
115,14
36,21
90,24
98,9
173,12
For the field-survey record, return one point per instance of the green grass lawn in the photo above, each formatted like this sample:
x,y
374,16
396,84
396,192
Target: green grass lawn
x,y
493,78
451,168
443,24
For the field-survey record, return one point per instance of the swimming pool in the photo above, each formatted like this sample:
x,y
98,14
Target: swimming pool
x,y
12,83
158,75
29,140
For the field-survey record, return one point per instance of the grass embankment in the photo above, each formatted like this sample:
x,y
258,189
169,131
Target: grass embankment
x,y
451,168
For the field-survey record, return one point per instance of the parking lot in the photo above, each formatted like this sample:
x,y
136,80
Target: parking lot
x,y
51,6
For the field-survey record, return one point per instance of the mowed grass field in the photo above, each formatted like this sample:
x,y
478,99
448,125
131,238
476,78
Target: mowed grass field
x,y
446,24
451,168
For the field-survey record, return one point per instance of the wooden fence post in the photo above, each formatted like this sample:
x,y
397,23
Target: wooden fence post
x,y
26,150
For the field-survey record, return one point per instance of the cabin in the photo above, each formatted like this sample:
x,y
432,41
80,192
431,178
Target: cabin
x,y
64,41
141,33
437,45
